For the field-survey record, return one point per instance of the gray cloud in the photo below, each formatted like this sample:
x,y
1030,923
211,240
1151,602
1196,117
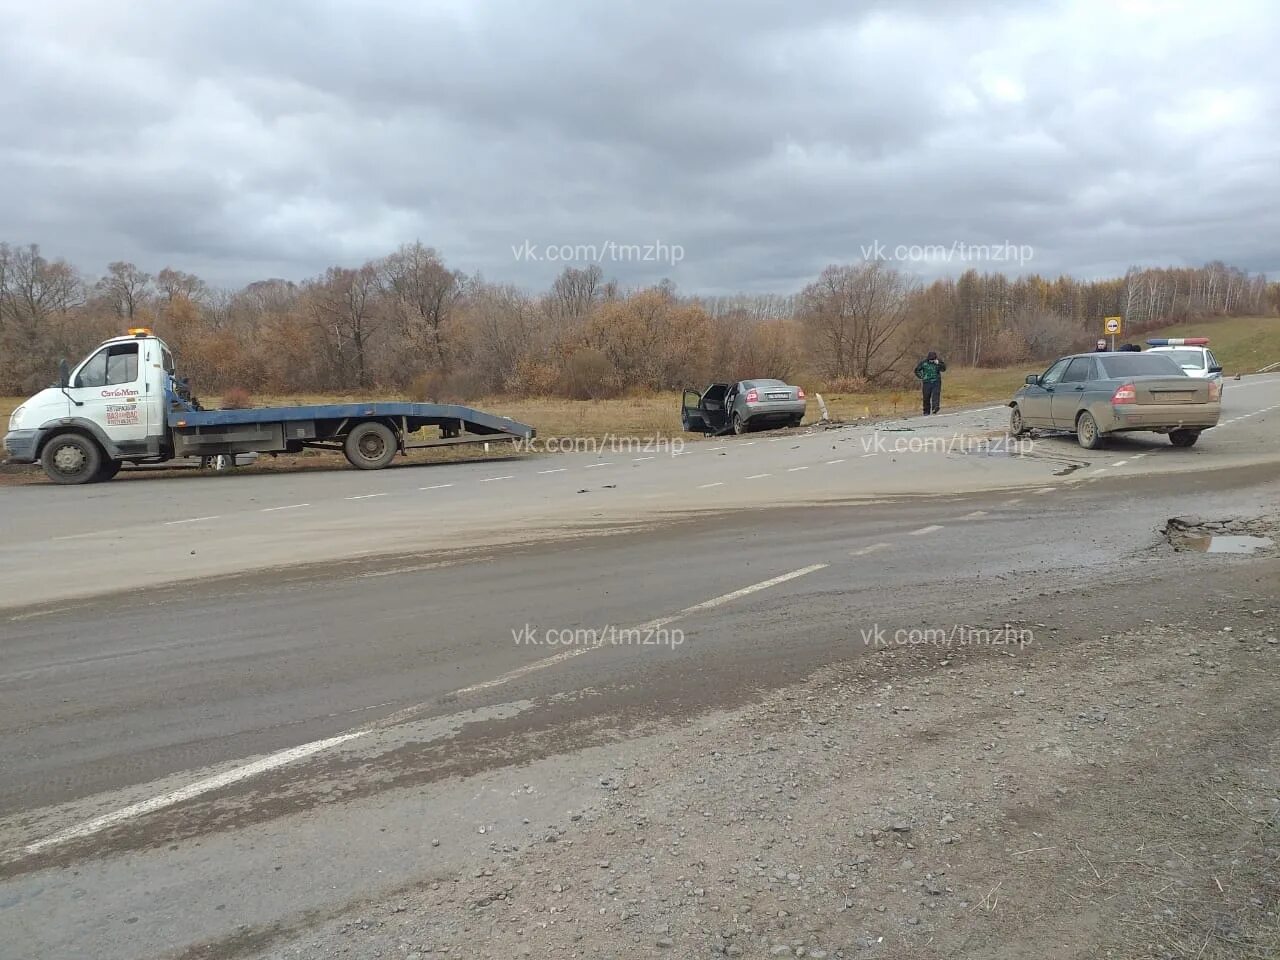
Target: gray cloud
x,y
241,140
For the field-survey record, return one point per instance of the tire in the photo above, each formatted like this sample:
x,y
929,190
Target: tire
x,y
71,458
107,471
1087,434
795,422
222,462
1184,438
739,425
370,446
1017,427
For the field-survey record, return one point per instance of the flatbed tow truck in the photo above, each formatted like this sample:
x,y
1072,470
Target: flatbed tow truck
x,y
124,404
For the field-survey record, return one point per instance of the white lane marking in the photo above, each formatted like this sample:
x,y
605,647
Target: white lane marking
x,y
436,486
509,476
1120,463
96,533
1138,456
975,515
1044,490
1099,470
713,449
592,466
795,469
775,439
1013,501
718,483
830,462
270,762
872,454
871,548
365,496
283,757
170,523
923,530
650,625
640,459
759,476
291,506
747,443
556,470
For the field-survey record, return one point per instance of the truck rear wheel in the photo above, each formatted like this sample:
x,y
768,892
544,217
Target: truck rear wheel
x,y
71,458
370,446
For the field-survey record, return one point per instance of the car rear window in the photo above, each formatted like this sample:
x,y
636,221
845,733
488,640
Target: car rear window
x,y
1119,365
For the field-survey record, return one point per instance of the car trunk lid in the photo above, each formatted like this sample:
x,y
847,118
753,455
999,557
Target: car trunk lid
x,y
1171,390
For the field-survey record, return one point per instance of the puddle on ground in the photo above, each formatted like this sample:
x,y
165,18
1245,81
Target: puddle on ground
x,y
1224,543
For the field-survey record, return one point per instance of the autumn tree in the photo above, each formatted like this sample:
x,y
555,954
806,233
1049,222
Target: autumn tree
x,y
423,295
854,315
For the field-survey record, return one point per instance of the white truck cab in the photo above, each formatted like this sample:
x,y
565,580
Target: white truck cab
x,y
117,397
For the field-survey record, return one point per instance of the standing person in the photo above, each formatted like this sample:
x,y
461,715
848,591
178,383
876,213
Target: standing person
x,y
929,373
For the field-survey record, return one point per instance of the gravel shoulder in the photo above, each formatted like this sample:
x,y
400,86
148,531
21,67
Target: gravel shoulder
x,y
1092,793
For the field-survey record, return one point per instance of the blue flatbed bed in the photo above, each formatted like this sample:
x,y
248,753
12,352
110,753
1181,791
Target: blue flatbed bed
x,y
417,415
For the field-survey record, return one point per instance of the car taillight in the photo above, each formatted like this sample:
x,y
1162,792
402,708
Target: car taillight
x,y
753,396
799,393
1125,394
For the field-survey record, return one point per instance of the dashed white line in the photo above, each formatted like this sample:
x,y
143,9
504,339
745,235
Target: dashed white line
x,y
436,486
832,462
1013,501
640,459
592,466
1044,490
872,454
870,548
704,486
491,479
759,476
269,762
291,506
923,530
796,469
713,449
975,515
1120,463
170,523
556,470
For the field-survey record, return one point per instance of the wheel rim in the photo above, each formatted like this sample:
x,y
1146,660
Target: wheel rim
x,y
371,446
1086,428
1015,422
69,459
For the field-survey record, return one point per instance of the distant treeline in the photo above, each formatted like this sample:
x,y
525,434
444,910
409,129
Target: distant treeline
x,y
407,322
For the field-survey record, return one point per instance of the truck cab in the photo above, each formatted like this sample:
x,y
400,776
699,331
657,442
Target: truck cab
x,y
111,407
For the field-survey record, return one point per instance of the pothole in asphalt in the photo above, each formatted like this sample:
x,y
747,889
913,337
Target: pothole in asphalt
x,y
1239,536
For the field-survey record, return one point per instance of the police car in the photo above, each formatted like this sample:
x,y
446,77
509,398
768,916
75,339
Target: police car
x,y
1192,354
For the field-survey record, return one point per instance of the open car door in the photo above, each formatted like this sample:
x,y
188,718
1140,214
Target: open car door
x,y
691,417
704,413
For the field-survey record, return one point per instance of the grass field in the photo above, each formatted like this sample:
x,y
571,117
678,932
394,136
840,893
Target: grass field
x,y
1242,344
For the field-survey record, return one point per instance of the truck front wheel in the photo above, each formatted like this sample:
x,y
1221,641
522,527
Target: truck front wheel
x,y
71,458
370,446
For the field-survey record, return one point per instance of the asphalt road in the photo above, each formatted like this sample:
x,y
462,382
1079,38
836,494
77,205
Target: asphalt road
x,y
212,761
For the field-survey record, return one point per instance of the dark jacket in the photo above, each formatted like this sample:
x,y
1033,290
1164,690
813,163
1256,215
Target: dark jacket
x,y
930,370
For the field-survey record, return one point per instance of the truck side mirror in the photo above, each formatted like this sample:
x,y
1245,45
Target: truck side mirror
x,y
64,373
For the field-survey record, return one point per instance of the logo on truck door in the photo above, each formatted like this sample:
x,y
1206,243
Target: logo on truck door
x,y
119,392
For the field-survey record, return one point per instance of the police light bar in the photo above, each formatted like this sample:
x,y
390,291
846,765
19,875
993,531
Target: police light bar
x,y
1180,342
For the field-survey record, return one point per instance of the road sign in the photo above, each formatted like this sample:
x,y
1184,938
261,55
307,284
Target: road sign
x,y
1113,326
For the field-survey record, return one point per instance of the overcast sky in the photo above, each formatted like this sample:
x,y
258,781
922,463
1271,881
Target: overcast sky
x,y
757,140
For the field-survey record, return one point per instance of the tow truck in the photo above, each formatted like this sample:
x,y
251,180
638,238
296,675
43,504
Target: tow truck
x,y
124,403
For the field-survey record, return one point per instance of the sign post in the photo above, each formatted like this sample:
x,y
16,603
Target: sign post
x,y
1113,327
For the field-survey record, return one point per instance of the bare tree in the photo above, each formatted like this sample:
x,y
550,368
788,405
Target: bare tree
x,y
853,314
125,287
343,303
424,293
174,283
